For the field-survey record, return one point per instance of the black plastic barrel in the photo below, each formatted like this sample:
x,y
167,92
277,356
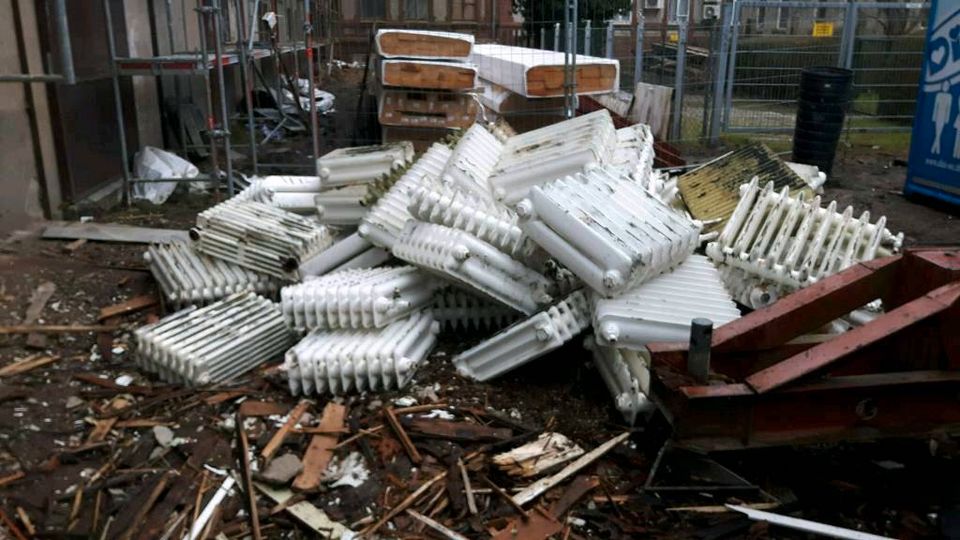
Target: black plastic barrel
x,y
824,97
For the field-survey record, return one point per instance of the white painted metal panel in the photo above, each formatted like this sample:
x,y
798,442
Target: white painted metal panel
x,y
213,344
362,164
663,308
385,220
187,277
456,309
471,262
542,155
526,340
260,237
627,375
341,361
359,298
607,229
783,242
472,161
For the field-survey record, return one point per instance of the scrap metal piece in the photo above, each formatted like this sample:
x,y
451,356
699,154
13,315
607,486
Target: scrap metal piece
x,y
362,164
188,277
386,219
783,242
456,310
351,252
342,206
260,237
361,298
627,375
341,361
662,309
472,162
488,220
471,262
215,343
634,151
771,383
607,229
565,148
805,525
712,190
526,340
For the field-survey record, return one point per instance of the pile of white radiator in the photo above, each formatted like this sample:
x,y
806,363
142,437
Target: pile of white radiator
x,y
523,241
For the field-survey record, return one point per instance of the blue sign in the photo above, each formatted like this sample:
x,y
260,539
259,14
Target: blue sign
x,y
934,168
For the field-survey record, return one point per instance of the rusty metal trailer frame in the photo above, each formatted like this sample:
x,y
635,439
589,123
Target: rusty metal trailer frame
x,y
775,383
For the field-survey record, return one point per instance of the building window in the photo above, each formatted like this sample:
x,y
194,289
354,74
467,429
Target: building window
x,y
418,10
373,9
783,18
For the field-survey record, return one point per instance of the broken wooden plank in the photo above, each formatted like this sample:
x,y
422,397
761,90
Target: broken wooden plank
x,y
132,305
721,509
75,245
56,328
112,232
27,523
26,365
404,504
38,300
405,441
11,526
144,509
200,523
539,526
435,525
805,525
314,518
254,408
455,431
580,486
533,458
277,440
467,488
504,495
11,478
101,429
247,477
536,489
320,450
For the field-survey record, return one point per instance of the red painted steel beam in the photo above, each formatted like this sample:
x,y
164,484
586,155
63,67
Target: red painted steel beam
x,y
860,407
810,308
841,347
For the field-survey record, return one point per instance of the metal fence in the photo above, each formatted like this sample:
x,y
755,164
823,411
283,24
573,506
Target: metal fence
x,y
740,73
768,43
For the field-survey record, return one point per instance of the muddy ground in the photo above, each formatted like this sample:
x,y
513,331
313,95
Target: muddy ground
x,y
902,488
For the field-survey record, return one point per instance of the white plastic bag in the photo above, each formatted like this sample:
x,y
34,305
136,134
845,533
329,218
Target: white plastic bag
x,y
152,163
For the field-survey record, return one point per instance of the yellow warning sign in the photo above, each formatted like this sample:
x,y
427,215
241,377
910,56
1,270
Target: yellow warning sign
x,y
673,36
823,29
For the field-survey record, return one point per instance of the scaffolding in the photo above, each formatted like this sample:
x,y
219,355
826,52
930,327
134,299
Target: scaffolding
x,y
244,52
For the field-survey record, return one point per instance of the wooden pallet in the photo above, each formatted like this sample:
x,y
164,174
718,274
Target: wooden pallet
x,y
427,109
394,43
421,138
428,75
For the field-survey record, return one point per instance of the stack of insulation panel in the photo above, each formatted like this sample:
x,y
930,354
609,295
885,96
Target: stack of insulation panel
x,y
426,81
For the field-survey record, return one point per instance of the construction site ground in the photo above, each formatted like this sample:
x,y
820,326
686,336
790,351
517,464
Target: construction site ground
x,y
48,416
